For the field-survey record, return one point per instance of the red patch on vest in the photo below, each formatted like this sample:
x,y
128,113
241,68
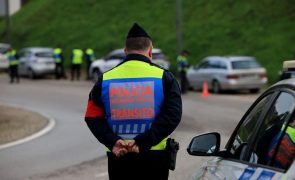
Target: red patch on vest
x,y
93,111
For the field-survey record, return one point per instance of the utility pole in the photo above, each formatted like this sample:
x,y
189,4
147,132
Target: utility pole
x,y
7,20
178,27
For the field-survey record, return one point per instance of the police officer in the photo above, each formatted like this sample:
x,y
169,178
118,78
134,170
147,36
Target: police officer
x,y
285,153
13,65
77,60
132,109
59,63
182,66
89,58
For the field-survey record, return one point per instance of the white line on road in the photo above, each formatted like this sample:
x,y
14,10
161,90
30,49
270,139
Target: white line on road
x,y
45,130
101,174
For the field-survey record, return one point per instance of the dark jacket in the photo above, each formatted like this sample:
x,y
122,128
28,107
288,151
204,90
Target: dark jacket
x,y
164,124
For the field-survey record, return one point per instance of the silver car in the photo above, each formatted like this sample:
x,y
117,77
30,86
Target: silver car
x,y
36,61
261,147
228,73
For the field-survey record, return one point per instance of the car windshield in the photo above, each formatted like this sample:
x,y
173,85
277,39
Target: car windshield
x,y
245,64
158,56
44,54
3,50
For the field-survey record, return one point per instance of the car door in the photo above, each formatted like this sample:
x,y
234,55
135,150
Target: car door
x,y
197,76
246,153
209,72
24,56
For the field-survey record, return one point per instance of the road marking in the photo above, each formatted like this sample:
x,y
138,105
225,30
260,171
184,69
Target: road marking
x,y
42,132
101,174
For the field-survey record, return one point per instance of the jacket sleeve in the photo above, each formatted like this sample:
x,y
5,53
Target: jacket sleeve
x,y
95,118
169,117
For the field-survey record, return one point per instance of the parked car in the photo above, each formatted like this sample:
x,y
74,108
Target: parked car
x,y
288,70
4,64
116,56
261,147
227,73
36,61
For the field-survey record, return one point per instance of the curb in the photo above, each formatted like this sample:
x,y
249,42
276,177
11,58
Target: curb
x,y
42,132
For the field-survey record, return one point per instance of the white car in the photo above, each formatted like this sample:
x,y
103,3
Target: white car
x,y
4,64
228,73
116,56
36,61
261,147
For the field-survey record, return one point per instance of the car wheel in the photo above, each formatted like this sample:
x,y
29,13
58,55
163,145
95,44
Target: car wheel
x,y
189,86
215,87
95,73
31,74
254,91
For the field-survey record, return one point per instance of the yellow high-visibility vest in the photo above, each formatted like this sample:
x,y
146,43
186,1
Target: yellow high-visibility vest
x,y
77,56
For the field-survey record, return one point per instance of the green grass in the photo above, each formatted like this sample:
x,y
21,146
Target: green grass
x,y
264,29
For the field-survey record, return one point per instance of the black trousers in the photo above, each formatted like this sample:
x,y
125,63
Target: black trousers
x,y
87,70
152,165
183,82
13,73
75,70
59,71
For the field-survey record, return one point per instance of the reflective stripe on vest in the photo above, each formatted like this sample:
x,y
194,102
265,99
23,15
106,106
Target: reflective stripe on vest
x,y
57,55
132,95
77,56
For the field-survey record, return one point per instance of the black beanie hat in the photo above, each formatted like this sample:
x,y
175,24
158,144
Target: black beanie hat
x,y
137,31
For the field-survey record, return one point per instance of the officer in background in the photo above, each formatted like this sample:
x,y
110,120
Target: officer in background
x,y
89,58
13,65
285,152
77,60
132,109
59,63
182,66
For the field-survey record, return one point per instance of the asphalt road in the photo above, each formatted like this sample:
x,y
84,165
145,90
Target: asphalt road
x,y
71,143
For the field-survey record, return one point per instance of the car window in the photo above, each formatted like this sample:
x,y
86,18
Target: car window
x,y
44,54
270,131
213,64
116,56
287,75
222,65
204,65
245,64
245,130
24,54
216,64
158,56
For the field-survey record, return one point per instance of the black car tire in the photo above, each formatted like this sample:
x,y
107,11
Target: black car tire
x,y
31,74
254,91
215,87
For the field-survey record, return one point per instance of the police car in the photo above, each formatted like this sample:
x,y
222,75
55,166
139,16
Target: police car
x,y
263,144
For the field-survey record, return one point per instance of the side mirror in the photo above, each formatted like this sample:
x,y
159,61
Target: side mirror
x,y
205,145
